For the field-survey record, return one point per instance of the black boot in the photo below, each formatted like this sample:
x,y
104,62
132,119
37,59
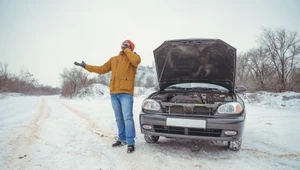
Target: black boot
x,y
130,148
118,143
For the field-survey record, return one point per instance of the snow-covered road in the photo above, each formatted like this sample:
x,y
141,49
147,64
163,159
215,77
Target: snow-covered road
x,y
53,133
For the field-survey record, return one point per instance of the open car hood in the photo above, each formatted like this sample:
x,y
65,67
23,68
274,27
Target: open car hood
x,y
195,60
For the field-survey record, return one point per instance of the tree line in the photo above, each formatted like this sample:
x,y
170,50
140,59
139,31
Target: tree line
x,y
274,65
24,83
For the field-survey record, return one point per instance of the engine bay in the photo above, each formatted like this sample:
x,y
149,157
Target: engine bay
x,y
193,97
191,102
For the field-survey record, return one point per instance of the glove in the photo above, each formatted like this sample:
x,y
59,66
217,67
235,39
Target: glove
x,y
82,64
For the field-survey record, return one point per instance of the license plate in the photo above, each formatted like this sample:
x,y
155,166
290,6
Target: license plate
x,y
190,123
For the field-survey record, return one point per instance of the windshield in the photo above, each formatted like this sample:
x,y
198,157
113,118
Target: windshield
x,y
197,86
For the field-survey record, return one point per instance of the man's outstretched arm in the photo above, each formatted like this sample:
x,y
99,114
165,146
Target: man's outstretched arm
x,y
96,69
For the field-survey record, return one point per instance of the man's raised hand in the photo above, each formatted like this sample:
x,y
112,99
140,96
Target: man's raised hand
x,y
82,64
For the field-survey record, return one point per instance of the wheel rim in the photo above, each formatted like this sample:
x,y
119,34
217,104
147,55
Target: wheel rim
x,y
151,139
148,137
235,145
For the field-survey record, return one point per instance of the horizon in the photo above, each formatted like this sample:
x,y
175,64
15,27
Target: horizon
x,y
44,37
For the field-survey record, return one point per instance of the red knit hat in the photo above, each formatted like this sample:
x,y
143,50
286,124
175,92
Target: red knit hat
x,y
131,44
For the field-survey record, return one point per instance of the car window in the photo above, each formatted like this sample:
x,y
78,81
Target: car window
x,y
197,86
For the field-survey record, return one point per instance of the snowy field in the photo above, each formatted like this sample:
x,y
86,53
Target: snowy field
x,y
42,133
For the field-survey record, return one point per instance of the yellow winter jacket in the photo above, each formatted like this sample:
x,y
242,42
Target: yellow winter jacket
x,y
123,68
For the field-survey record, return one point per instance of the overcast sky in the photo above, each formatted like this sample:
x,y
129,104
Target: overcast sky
x,y
45,36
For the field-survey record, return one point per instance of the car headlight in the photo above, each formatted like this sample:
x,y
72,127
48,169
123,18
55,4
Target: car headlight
x,y
150,104
230,108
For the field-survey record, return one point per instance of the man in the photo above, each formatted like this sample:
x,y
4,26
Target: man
x,y
123,68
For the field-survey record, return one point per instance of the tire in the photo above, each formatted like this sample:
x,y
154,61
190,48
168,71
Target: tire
x,y
235,145
151,139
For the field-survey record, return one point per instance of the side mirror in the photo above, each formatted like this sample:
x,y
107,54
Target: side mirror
x,y
240,89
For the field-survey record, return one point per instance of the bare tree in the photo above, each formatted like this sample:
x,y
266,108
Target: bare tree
x,y
295,80
27,83
73,80
259,66
4,77
242,73
283,48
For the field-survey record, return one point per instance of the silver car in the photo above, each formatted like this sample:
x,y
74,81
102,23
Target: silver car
x,y
196,96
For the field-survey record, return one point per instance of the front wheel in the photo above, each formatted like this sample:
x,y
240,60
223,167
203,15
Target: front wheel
x,y
235,145
151,139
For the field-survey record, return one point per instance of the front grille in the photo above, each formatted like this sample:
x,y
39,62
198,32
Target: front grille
x,y
202,110
188,131
197,110
176,109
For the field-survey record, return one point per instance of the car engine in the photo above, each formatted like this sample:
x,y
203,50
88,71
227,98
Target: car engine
x,y
191,102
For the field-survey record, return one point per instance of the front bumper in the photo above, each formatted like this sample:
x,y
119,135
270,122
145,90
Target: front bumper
x,y
213,129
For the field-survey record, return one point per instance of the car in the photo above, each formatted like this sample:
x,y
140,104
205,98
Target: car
x,y
196,96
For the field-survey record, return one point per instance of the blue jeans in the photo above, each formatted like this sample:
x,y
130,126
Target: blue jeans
x,y
122,106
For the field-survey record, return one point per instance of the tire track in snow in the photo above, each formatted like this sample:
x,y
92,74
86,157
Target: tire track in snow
x,y
22,144
268,154
111,154
127,161
94,127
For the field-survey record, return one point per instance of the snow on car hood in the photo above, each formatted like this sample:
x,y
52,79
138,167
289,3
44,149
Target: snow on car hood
x,y
195,60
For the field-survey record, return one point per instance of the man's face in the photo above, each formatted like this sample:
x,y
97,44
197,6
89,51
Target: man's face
x,y
123,45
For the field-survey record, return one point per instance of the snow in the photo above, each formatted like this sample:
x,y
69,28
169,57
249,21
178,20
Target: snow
x,y
50,132
286,100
